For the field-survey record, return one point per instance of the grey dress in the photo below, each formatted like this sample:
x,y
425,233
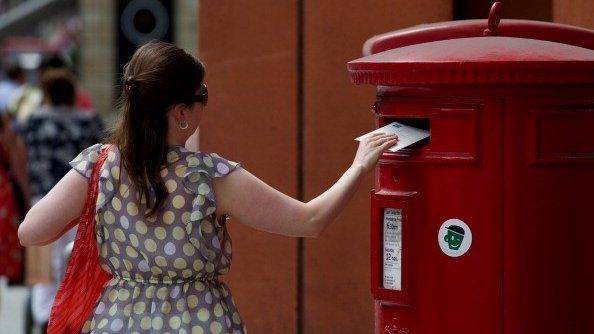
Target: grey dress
x,y
166,267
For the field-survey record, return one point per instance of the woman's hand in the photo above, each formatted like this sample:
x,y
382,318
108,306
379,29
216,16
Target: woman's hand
x,y
371,148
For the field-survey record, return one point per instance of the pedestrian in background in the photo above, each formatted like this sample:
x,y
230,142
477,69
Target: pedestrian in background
x,y
54,134
160,216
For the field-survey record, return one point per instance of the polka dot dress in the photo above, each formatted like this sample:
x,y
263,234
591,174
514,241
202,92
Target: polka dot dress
x,y
165,267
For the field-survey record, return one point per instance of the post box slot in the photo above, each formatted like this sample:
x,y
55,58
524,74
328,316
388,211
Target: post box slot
x,y
454,129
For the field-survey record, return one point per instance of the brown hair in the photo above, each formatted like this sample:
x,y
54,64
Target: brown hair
x,y
158,76
58,87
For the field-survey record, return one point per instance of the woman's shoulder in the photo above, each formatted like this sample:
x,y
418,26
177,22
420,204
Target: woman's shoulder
x,y
83,163
209,163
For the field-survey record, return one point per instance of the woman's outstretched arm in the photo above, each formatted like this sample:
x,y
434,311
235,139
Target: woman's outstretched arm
x,y
48,219
253,202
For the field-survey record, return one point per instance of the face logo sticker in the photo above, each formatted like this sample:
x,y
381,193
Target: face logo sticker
x,y
454,237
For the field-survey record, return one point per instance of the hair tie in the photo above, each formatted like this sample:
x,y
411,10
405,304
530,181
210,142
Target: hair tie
x,y
128,84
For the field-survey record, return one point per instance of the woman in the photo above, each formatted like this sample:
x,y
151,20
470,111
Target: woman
x,y
54,134
161,208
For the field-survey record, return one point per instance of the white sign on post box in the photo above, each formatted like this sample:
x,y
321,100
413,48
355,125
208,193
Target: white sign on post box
x,y
392,249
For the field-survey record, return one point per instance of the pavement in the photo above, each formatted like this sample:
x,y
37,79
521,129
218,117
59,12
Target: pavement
x,y
12,308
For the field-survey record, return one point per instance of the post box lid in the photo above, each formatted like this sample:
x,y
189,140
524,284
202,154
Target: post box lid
x,y
486,59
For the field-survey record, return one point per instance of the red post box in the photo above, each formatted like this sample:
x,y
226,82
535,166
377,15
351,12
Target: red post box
x,y
486,227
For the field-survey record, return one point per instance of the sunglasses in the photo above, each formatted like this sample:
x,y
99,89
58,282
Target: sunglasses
x,y
203,96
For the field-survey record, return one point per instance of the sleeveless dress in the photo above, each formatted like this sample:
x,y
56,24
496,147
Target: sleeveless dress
x,y
165,267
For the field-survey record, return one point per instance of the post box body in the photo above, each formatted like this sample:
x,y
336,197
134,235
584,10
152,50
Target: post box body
x,y
511,155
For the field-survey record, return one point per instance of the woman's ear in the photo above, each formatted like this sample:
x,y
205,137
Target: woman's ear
x,y
179,111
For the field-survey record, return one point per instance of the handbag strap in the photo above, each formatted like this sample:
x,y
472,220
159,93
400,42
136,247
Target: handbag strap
x,y
84,278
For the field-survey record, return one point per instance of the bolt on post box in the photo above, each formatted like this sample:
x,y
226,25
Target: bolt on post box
x,y
485,226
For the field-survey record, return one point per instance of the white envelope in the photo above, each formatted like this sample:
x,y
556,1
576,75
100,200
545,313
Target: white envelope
x,y
407,135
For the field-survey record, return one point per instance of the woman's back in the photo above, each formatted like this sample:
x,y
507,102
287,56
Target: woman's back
x,y
164,266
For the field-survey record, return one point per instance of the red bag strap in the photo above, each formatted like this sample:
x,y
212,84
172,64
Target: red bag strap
x,y
84,279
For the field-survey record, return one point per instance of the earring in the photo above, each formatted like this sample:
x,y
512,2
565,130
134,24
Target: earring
x,y
183,125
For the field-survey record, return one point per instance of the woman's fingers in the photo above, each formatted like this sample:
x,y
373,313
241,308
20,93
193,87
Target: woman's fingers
x,y
382,139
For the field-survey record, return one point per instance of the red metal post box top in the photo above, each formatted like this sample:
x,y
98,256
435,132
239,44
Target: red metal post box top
x,y
471,60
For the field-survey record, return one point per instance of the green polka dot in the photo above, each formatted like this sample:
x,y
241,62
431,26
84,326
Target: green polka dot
x,y
199,286
192,161
161,261
203,314
123,294
112,296
189,249
178,201
181,305
236,318
150,245
216,327
127,310
175,322
145,323
203,189
115,248
178,233
198,265
209,267
100,199
197,330
127,264
218,310
185,217
164,172
113,309
133,240
156,271
111,156
194,177
192,301
172,156
171,185
180,170
119,235
124,190
116,203
168,217
93,156
179,263
139,307
186,318
109,186
160,233
150,292
102,323
166,306
208,161
187,273
131,252
108,217
162,293
114,262
115,172
140,227
206,226
132,209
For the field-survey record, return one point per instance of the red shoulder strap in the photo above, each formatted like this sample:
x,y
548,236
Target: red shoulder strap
x,y
84,278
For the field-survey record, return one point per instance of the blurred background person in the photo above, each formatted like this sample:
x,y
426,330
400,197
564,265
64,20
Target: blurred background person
x,y
12,160
54,134
14,79
30,97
